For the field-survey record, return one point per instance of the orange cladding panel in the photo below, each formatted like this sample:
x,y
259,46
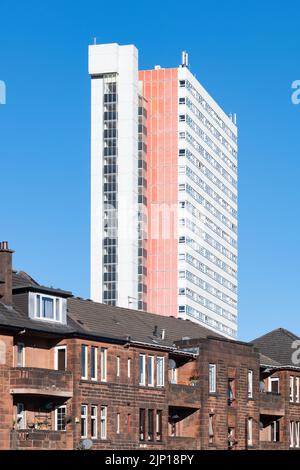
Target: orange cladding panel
x,y
160,88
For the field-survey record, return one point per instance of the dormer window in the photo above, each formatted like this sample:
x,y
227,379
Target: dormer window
x,y
47,307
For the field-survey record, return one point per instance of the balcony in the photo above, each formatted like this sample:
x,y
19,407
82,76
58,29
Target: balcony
x,y
35,381
28,439
271,404
184,395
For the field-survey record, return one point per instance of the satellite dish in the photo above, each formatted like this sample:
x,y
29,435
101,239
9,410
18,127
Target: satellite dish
x,y
86,444
172,364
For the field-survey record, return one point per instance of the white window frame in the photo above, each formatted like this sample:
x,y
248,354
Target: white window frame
x,y
22,345
142,371
129,367
94,419
292,382
250,383
274,431
83,417
103,364
84,377
250,431
38,298
150,360
118,366
292,427
212,378
297,389
56,349
297,434
273,379
103,422
118,424
56,417
211,428
174,375
158,425
95,349
160,360
21,414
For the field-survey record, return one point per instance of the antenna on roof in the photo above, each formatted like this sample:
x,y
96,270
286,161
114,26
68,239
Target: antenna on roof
x,y
185,59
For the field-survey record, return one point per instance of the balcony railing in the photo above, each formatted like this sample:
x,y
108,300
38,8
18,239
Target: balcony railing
x,y
271,404
36,440
184,395
36,381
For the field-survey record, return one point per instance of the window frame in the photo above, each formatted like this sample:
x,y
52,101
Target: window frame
x,y
274,431
38,307
250,383
118,427
150,360
21,414
142,370
270,381
118,366
151,424
249,431
212,378
22,345
94,360
83,420
158,425
297,434
84,347
297,387
128,367
103,364
56,418
142,424
160,360
292,387
58,348
292,431
94,419
103,422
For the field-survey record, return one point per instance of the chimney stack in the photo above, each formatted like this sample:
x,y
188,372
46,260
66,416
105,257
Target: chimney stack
x,y
5,274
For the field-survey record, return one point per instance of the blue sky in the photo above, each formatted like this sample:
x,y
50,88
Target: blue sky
x,y
245,53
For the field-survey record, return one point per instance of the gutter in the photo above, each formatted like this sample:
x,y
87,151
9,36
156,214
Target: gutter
x,y
280,367
165,348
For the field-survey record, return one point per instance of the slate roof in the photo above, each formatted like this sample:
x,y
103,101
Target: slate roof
x,y
89,318
22,279
277,345
267,361
12,317
115,322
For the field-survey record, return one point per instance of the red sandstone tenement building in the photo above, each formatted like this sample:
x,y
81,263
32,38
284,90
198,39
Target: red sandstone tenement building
x,y
72,369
